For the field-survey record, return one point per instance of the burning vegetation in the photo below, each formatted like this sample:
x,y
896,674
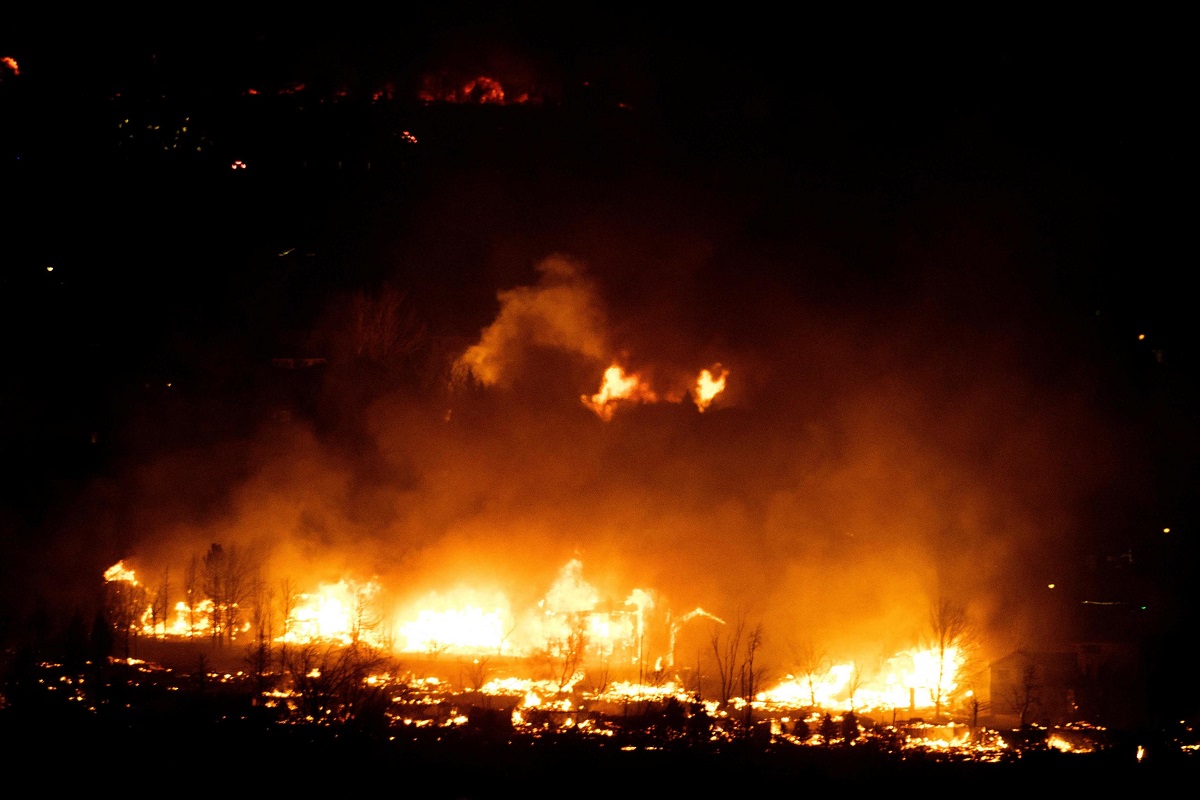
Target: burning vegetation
x,y
464,682
573,662
717,603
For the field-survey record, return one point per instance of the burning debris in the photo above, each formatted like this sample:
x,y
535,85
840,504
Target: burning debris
x,y
572,636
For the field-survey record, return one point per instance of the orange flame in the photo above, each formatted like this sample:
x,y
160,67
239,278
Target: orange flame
x,y
11,63
345,611
708,386
119,572
618,387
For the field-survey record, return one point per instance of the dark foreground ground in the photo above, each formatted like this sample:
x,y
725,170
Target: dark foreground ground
x,y
79,750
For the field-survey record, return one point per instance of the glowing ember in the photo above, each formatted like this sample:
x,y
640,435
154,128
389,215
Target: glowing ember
x,y
482,90
615,388
11,63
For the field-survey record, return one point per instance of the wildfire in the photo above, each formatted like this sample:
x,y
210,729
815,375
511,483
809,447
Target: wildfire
x,y
917,679
571,630
479,89
465,627
618,387
345,612
708,386
119,572
11,63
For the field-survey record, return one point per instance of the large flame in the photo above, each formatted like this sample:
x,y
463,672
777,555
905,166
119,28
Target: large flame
x,y
708,386
618,387
572,624
119,572
346,611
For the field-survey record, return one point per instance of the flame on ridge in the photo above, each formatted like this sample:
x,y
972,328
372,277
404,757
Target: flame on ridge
x,y
618,387
708,386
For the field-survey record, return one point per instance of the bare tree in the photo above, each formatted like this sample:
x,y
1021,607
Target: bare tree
x,y
810,662
258,656
227,581
736,649
160,609
366,614
338,685
751,674
952,644
726,646
1025,698
563,655
854,683
287,606
124,603
475,673
191,593
379,327
600,677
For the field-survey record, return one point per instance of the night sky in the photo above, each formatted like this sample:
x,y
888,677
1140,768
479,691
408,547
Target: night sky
x,y
943,265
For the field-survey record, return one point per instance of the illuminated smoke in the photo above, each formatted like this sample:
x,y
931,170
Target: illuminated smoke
x,y
561,312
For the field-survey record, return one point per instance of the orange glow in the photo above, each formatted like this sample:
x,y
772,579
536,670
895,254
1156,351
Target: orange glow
x,y
909,680
462,621
573,629
708,386
482,90
11,63
344,612
119,572
618,387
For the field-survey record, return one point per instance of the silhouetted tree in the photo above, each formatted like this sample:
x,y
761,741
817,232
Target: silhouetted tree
x,y
829,729
380,328
953,645
191,593
854,682
333,687
801,730
228,580
287,605
810,662
475,673
849,727
726,643
258,655
1024,698
124,602
563,655
751,673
